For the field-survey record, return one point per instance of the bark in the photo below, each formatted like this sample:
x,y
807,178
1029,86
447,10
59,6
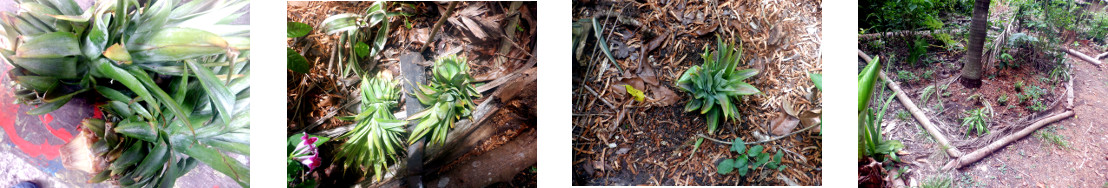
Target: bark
x,y
971,70
989,149
916,112
1082,56
415,75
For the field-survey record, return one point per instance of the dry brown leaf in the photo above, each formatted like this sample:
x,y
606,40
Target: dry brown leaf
x,y
663,96
783,124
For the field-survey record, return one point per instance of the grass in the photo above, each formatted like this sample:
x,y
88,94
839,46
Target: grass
x,y
937,182
906,76
902,115
1050,135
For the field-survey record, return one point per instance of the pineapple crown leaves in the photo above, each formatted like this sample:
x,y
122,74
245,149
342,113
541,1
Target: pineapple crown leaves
x,y
351,47
716,86
60,50
56,44
376,140
450,96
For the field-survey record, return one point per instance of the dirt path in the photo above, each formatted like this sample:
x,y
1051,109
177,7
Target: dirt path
x,y
1034,161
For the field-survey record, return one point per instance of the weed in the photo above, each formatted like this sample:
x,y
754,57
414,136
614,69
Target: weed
x,y
1019,85
1037,106
902,115
937,182
919,48
1003,99
906,76
976,120
1050,135
926,94
928,74
749,159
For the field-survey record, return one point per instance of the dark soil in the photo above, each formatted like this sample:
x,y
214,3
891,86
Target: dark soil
x,y
651,142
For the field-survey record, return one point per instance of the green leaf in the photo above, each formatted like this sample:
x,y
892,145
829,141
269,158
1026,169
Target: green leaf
x,y
754,151
361,49
817,79
639,96
137,129
777,157
738,146
175,44
741,164
49,45
340,23
866,80
297,63
297,29
214,158
62,67
222,98
762,159
725,166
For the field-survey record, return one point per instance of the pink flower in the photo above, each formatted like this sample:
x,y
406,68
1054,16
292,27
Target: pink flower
x,y
307,152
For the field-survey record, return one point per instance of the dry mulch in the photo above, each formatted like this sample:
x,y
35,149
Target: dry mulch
x,y
653,139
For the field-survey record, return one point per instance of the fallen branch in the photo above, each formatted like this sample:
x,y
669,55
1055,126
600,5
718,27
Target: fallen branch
x,y
905,33
1082,56
757,142
989,149
916,112
1101,56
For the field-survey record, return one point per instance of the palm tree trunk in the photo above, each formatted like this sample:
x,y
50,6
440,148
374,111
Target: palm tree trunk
x,y
971,70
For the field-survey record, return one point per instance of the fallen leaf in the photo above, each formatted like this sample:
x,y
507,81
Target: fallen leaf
x,y
619,49
618,88
637,94
663,96
811,117
783,124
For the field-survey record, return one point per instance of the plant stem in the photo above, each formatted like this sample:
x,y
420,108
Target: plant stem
x,y
758,142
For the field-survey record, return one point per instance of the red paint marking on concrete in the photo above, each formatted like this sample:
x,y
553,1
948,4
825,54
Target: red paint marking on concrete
x,y
7,122
61,133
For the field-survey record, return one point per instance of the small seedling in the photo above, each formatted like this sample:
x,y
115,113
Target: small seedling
x,y
976,120
927,75
902,115
1003,99
749,159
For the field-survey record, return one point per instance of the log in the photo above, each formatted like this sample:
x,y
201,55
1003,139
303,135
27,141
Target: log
x,y
497,165
989,149
905,33
1082,56
916,112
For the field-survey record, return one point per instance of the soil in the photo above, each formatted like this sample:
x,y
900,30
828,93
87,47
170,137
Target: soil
x,y
1079,159
317,97
619,141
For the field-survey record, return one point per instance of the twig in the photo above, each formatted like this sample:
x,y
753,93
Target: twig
x,y
758,142
916,112
435,29
989,149
598,96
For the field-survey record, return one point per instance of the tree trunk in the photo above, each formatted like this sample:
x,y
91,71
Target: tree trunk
x,y
971,70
